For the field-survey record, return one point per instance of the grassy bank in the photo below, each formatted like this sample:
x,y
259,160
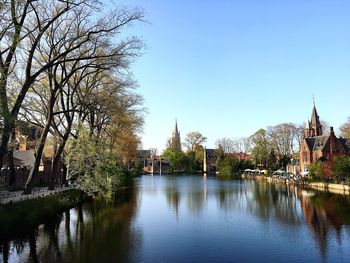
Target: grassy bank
x,y
19,217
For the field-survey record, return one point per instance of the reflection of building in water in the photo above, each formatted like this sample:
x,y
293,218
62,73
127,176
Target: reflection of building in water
x,y
323,216
210,160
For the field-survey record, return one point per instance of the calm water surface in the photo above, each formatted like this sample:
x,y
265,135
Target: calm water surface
x,y
195,219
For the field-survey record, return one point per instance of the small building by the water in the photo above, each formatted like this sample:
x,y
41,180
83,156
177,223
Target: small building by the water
x,y
319,146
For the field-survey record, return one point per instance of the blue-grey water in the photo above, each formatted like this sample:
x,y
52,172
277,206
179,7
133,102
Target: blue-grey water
x,y
195,219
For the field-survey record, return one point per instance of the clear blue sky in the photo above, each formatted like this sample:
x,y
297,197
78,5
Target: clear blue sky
x,y
226,68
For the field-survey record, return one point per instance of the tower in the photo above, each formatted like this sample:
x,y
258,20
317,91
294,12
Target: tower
x,y
175,138
314,127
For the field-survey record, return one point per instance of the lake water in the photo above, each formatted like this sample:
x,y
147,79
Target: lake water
x,y
195,219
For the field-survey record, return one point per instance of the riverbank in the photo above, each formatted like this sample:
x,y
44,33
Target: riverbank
x,y
17,218
320,186
10,197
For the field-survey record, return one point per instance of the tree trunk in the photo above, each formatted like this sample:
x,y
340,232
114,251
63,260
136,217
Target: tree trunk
x,y
53,169
64,174
12,172
38,154
57,158
8,127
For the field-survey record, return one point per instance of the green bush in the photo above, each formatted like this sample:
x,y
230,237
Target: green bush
x,y
341,168
232,167
316,171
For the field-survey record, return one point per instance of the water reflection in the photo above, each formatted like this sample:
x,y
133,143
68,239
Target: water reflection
x,y
325,213
286,205
93,232
232,219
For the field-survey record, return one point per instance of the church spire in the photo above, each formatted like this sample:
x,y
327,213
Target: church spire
x,y
175,139
315,121
176,131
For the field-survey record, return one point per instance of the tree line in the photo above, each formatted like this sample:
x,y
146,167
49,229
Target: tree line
x,y
271,148
65,69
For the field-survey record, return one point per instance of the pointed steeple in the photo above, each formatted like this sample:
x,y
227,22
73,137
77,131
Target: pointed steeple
x,y
315,121
175,140
308,125
175,131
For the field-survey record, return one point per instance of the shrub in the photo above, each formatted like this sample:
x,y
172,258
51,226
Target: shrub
x,y
341,168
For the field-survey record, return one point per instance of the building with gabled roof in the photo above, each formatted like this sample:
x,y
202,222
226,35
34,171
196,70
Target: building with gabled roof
x,y
319,146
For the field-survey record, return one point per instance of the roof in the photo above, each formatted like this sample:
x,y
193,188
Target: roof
x,y
320,142
25,158
316,143
345,143
143,153
310,143
211,152
315,119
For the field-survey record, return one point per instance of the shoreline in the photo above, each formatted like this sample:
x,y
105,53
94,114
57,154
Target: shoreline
x,y
333,188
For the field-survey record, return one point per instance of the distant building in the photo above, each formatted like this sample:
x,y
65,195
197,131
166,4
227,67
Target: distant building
x,y
241,156
210,160
149,165
26,138
175,138
319,146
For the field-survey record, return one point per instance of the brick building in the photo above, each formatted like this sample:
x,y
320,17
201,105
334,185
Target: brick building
x,y
319,146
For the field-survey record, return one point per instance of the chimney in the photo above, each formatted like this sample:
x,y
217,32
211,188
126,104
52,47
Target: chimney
x,y
332,131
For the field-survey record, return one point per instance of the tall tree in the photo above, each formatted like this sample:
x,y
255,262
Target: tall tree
x,y
23,24
261,147
77,47
193,140
282,138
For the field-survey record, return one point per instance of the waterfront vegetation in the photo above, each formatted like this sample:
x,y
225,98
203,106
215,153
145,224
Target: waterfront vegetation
x,y
233,167
338,170
64,73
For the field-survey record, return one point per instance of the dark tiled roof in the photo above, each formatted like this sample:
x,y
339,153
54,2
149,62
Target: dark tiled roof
x,y
211,152
310,143
345,143
315,120
320,142
317,143
143,153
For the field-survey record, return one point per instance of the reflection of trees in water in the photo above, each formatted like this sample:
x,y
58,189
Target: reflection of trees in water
x,y
230,196
274,200
196,201
194,192
172,193
93,232
325,213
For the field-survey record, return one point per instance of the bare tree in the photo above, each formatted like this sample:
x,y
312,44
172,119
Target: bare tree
x,y
81,51
22,26
282,137
227,145
193,140
80,37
